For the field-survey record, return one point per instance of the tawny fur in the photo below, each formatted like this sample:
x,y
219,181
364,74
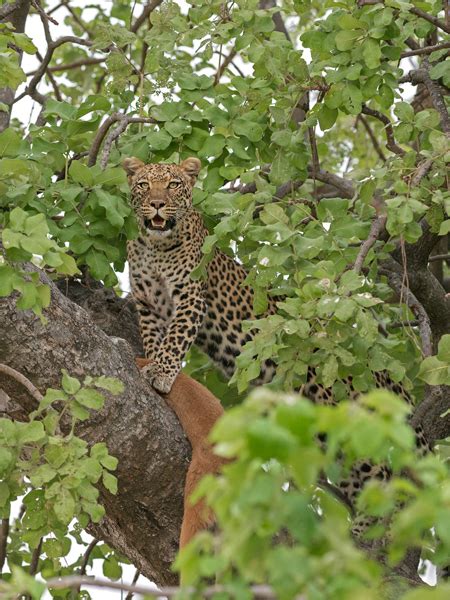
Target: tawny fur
x,y
197,410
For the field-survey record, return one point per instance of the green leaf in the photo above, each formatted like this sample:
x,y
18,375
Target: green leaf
x,y
70,384
10,142
64,506
31,432
110,482
244,126
90,398
444,348
346,39
159,140
434,371
111,384
371,53
81,174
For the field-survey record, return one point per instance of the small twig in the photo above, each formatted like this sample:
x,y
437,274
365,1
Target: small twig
x,y
391,144
376,229
372,136
51,79
76,18
32,389
397,325
44,16
425,50
4,531
130,594
439,257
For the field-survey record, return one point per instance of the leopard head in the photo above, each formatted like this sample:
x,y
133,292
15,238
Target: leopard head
x,y
161,194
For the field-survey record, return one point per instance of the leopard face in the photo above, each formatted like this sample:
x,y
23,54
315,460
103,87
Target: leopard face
x,y
161,194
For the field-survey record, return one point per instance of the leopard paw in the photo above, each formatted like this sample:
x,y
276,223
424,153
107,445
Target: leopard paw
x,y
161,381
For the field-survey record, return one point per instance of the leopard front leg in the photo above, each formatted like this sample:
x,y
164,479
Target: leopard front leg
x,y
189,312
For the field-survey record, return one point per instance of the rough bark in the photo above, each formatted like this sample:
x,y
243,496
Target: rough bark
x,y
143,519
18,19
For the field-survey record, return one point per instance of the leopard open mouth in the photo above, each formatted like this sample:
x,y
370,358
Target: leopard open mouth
x,y
157,222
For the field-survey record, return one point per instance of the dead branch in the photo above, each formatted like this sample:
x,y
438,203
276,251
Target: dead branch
x,y
224,65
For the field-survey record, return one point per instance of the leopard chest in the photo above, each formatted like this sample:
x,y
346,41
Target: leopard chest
x,y
156,272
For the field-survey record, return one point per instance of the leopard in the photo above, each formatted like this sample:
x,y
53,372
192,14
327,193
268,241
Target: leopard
x,y
176,310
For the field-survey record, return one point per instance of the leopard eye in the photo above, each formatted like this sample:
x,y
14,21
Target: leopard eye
x,y
143,185
174,184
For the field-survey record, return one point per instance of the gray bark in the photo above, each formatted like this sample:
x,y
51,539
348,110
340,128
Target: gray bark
x,y
143,519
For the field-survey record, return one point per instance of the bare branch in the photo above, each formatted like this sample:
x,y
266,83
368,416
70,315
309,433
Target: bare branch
x,y
425,50
377,227
32,389
391,144
73,65
104,128
430,18
147,11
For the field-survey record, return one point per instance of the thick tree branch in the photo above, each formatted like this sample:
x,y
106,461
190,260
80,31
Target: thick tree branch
x,y
142,521
425,50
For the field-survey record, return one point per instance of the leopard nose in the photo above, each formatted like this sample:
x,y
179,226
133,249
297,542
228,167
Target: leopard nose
x,y
157,203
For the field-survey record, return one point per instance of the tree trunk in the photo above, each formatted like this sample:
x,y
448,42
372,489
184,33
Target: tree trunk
x,y
143,520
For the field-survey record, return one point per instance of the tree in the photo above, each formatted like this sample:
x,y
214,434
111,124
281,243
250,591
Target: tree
x,y
328,179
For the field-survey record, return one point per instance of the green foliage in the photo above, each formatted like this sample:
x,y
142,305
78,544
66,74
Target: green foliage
x,y
273,492
62,211
56,475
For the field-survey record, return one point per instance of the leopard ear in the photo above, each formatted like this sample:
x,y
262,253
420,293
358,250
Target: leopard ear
x,y
191,166
132,165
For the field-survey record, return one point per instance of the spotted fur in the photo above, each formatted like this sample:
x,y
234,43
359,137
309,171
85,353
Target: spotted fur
x,y
175,311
